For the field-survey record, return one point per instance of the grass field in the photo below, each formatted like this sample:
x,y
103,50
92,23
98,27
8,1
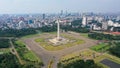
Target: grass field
x,y
31,56
50,63
84,34
26,54
51,47
39,40
5,50
35,35
88,54
102,47
29,36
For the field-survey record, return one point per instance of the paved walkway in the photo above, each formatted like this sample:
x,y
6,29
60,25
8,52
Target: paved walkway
x,y
13,50
110,64
56,55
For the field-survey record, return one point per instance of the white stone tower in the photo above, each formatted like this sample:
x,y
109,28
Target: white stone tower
x,y
58,39
58,29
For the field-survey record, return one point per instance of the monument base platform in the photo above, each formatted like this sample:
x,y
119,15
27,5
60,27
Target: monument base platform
x,y
57,41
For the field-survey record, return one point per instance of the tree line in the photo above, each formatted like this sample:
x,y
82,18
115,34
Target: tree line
x,y
16,33
115,49
75,26
22,51
4,43
114,45
79,64
102,36
9,60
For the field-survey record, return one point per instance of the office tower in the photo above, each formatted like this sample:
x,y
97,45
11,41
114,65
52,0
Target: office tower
x,y
43,16
61,12
84,21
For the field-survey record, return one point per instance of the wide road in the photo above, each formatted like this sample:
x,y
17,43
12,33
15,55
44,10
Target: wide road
x,y
46,56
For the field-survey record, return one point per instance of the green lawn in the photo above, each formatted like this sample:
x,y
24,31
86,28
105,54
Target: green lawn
x,y
25,53
29,36
20,43
84,34
84,54
44,42
102,47
88,54
38,34
39,40
31,56
51,47
5,50
50,63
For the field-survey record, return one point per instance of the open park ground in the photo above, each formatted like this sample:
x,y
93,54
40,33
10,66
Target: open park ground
x,y
87,54
80,48
43,40
55,53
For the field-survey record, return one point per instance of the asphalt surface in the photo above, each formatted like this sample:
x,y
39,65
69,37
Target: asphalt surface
x,y
46,56
110,64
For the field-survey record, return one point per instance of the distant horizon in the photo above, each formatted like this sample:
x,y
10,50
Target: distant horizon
x,y
57,12
55,6
64,13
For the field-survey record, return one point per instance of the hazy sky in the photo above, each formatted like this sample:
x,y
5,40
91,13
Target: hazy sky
x,y
51,6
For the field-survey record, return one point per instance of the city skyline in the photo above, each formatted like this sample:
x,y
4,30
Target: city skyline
x,y
55,6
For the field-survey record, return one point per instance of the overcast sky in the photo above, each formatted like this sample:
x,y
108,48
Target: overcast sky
x,y
51,6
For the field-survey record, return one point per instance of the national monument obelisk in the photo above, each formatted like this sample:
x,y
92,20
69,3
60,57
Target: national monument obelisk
x,y
58,29
58,39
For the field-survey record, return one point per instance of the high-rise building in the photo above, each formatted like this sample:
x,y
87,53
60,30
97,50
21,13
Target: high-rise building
x,y
84,21
21,19
110,23
43,16
104,25
66,13
61,12
21,25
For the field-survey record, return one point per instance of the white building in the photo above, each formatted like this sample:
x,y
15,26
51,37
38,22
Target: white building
x,y
116,24
95,27
84,21
118,18
104,25
110,23
21,25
